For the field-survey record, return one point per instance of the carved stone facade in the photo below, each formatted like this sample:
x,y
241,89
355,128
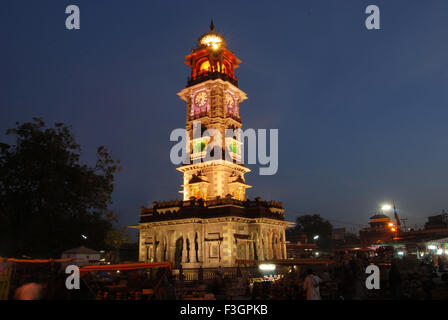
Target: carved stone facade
x,y
192,234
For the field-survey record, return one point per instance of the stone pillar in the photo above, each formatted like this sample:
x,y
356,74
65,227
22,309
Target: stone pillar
x,y
192,248
171,248
265,247
279,249
259,249
251,250
157,248
269,239
200,249
285,253
153,249
276,242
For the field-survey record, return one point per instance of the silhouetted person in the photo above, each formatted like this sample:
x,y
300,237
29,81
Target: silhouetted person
x,y
395,280
181,273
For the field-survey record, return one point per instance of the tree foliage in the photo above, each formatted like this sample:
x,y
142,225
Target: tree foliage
x,y
115,238
312,225
48,198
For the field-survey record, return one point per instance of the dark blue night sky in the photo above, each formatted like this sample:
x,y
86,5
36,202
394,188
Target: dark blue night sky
x,y
362,115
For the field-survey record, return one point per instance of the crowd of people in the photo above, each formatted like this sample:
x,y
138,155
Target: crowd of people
x,y
344,279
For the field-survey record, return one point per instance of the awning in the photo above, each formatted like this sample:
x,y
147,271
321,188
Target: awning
x,y
126,266
286,262
35,260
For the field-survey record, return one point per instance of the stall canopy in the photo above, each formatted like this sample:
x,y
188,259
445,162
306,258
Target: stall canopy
x,y
127,266
35,260
286,262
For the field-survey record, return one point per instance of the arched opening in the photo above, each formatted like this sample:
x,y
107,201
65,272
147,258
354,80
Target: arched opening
x,y
188,250
205,67
254,244
147,252
196,246
241,251
178,252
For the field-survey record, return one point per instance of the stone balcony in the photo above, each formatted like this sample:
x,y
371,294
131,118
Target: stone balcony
x,y
219,207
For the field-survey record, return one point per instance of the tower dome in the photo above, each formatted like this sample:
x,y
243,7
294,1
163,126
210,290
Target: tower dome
x,y
212,39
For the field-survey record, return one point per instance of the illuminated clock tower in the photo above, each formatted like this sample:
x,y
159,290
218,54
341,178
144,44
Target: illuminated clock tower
x,y
214,224
213,100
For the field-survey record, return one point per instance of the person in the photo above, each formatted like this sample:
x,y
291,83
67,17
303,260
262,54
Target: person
x,y
311,286
441,264
395,280
326,276
220,272
435,261
181,273
29,291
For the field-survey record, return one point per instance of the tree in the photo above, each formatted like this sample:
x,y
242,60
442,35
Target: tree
x,y
312,225
48,198
115,238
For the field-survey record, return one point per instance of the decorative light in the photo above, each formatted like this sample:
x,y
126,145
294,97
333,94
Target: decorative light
x,y
432,247
212,40
439,251
267,267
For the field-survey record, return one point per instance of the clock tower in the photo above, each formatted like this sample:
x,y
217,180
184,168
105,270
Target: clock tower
x,y
213,101
214,225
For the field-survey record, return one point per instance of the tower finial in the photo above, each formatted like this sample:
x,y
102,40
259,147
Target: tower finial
x,y
212,26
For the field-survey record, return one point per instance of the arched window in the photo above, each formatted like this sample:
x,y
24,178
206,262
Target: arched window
x,y
205,67
223,68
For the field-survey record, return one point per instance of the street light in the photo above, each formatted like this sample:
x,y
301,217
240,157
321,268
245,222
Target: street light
x,y
386,207
316,237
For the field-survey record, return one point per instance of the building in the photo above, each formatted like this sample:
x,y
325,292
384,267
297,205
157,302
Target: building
x,y
300,250
438,221
338,234
215,223
82,256
381,229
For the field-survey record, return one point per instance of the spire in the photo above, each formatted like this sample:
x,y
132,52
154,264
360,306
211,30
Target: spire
x,y
212,26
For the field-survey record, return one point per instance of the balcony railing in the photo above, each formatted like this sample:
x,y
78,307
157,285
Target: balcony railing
x,y
211,76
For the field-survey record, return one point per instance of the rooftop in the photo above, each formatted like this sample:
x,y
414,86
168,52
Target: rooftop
x,y
81,250
221,207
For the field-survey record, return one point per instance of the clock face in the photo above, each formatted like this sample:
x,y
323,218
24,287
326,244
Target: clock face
x,y
201,99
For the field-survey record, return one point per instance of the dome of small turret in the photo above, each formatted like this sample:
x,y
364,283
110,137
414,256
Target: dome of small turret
x,y
211,39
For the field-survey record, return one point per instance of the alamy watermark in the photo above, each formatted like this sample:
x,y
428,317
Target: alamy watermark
x,y
72,281
209,145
